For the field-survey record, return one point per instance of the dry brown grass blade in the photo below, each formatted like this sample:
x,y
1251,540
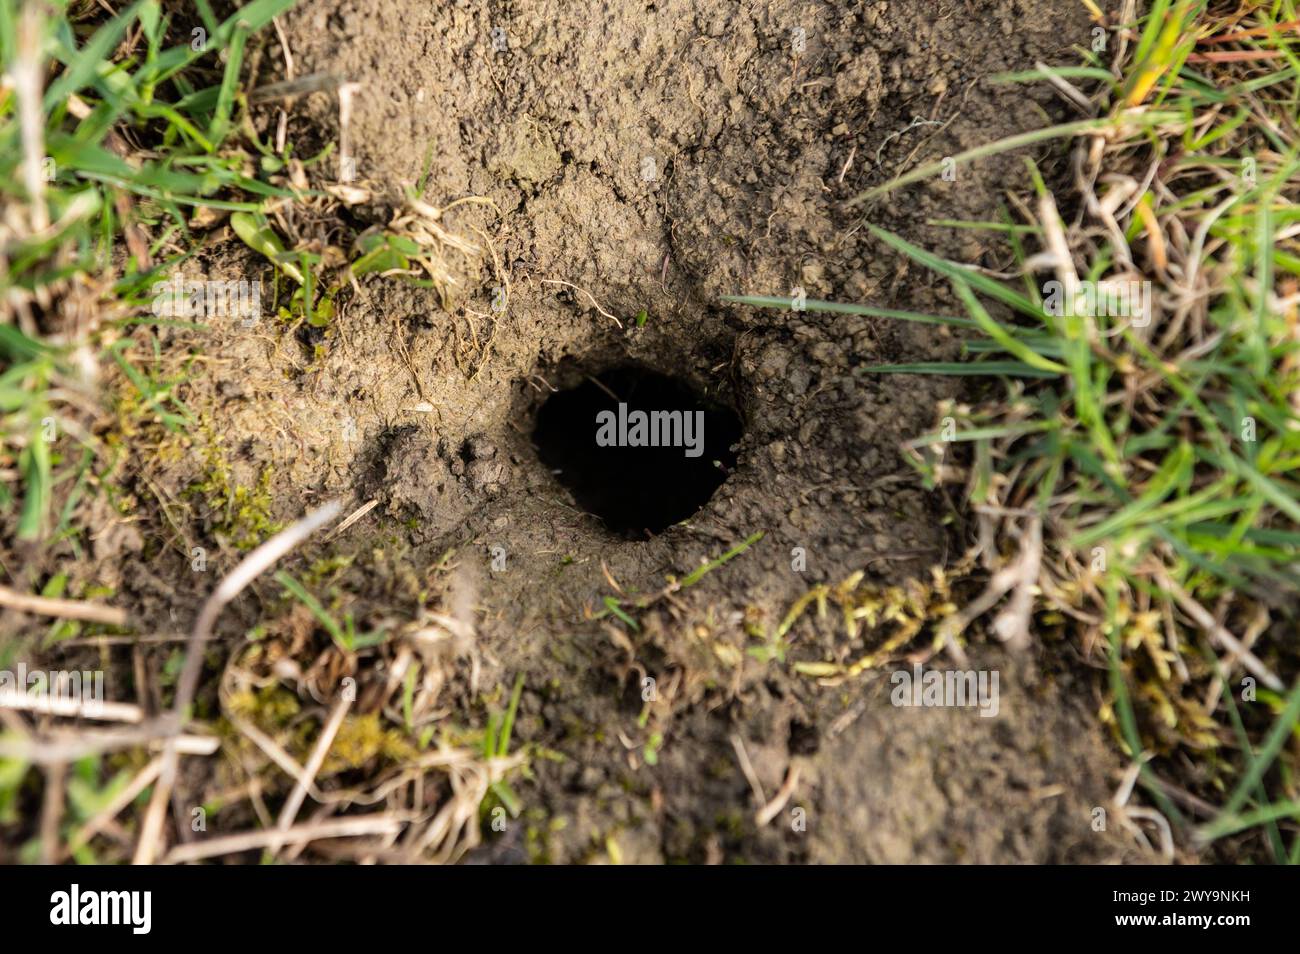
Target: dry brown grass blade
x,y
1238,35
1220,634
66,746
378,824
290,811
56,705
63,609
26,72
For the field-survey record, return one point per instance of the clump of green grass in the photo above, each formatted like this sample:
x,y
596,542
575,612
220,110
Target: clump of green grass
x,y
74,256
344,634
1139,480
496,745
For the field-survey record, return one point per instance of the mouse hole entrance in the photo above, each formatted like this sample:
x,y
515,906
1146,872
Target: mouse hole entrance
x,y
636,448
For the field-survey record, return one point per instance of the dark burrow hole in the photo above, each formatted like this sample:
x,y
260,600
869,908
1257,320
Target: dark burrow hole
x,y
608,461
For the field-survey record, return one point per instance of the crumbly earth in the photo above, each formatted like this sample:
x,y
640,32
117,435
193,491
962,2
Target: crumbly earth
x,y
650,157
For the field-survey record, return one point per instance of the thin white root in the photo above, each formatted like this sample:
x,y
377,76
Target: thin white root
x,y
773,808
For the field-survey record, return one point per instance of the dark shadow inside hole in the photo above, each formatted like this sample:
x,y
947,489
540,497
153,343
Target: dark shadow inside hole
x,y
605,454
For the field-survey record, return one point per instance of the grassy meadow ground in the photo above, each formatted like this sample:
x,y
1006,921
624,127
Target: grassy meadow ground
x,y
1129,481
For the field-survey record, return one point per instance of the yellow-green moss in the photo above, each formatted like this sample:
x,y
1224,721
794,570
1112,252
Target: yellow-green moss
x,y
241,514
362,738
